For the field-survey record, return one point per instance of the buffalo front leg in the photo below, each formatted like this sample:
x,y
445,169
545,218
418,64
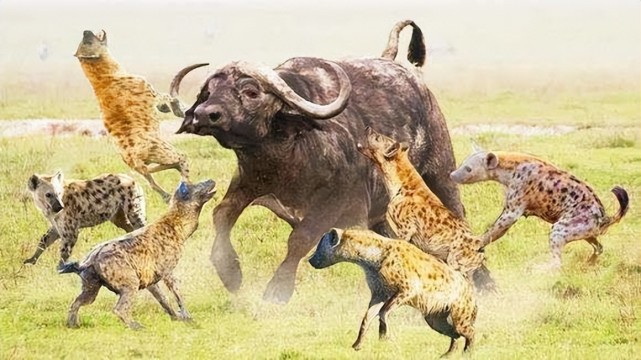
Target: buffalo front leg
x,y
45,241
301,240
223,256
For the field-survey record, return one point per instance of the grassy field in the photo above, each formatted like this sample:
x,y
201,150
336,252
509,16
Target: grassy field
x,y
580,69
583,312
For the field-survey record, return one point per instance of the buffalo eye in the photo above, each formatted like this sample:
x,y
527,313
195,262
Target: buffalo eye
x,y
250,93
468,169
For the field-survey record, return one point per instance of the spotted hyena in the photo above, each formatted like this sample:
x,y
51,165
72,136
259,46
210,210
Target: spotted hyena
x,y
128,104
398,273
416,214
534,186
139,260
75,204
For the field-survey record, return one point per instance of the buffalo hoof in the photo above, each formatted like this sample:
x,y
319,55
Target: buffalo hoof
x,y
228,269
279,290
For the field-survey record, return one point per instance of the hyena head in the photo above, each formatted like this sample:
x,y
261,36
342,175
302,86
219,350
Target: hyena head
x,y
47,192
358,246
476,167
193,195
380,148
92,47
327,251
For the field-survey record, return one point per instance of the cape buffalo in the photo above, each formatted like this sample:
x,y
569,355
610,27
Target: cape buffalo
x,y
294,131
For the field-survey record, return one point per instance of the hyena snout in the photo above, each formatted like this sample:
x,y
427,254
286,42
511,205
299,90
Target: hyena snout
x,y
56,206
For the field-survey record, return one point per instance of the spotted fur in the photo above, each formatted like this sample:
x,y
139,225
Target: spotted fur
x,y
535,187
128,104
417,215
139,260
75,204
398,274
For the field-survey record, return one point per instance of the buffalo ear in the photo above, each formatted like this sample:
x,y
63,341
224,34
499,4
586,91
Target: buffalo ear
x,y
491,161
33,182
392,150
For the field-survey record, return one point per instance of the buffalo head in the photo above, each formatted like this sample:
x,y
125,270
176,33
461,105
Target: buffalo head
x,y
238,102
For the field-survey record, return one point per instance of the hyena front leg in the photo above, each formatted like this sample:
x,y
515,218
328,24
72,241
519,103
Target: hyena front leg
x,y
69,237
45,241
170,281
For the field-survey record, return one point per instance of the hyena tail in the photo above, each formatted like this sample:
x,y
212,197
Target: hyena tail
x,y
624,201
416,51
483,281
68,268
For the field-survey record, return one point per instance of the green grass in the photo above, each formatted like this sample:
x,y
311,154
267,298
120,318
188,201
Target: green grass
x,y
586,312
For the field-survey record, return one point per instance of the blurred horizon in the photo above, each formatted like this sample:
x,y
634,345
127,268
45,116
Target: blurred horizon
x,y
473,46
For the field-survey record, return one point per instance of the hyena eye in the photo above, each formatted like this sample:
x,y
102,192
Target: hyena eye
x,y
49,195
468,169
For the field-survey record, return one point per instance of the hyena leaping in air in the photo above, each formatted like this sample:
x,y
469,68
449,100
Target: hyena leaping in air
x,y
128,104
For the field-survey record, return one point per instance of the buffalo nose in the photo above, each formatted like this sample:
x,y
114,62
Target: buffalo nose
x,y
211,113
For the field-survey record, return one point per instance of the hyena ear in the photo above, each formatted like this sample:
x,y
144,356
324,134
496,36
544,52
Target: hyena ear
x,y
334,239
491,161
392,150
33,182
102,36
476,148
58,177
183,191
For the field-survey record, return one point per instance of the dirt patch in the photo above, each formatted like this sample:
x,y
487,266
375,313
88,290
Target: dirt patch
x,y
61,127
94,127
